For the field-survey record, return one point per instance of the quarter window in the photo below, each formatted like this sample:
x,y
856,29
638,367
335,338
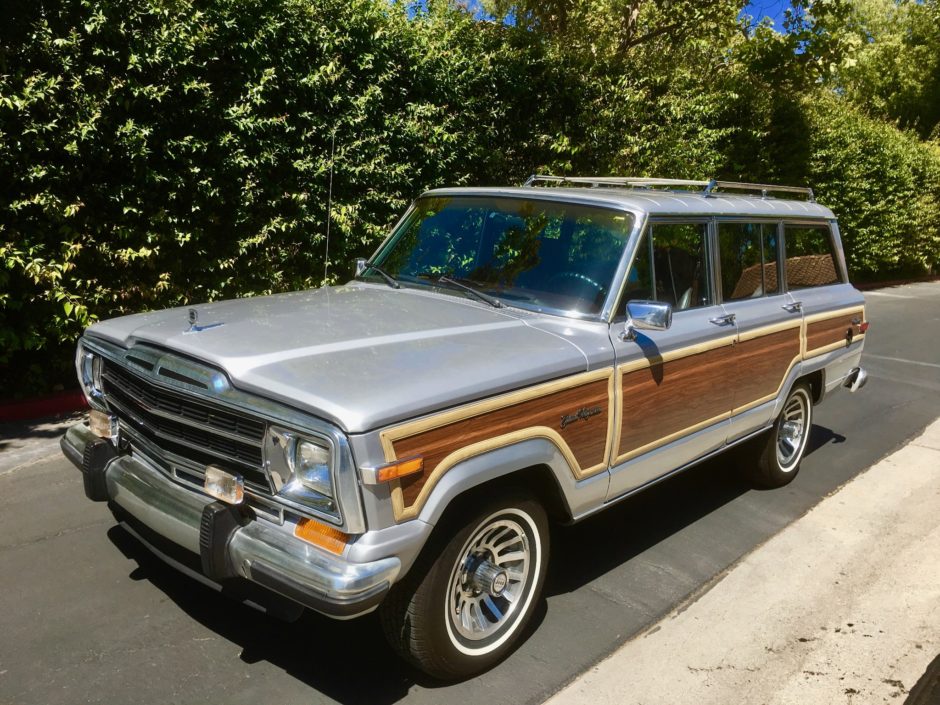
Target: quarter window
x,y
748,253
810,257
671,265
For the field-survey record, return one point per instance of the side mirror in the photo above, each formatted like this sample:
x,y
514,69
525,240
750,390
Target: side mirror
x,y
646,315
360,265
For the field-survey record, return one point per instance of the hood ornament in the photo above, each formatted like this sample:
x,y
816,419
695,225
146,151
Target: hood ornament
x,y
194,320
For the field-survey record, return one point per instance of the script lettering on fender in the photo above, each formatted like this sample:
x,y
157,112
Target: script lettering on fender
x,y
582,414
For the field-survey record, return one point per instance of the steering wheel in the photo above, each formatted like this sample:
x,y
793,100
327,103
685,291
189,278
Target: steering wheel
x,y
578,277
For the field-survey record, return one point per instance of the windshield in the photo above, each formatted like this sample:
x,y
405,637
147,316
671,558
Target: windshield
x,y
528,252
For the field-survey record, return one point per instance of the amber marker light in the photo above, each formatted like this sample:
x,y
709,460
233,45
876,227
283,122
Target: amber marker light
x,y
400,468
326,537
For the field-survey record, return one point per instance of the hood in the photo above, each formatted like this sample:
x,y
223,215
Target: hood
x,y
361,356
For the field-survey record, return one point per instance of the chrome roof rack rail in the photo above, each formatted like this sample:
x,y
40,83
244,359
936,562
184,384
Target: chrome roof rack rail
x,y
705,188
764,189
628,181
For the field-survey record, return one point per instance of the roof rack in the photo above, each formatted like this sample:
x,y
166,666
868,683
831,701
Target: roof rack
x,y
705,188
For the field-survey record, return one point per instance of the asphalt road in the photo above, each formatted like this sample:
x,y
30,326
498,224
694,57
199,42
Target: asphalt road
x,y
87,615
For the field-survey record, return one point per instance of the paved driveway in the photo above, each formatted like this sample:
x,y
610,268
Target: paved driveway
x,y
86,615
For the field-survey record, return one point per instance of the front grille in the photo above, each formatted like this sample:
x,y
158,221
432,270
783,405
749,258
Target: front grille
x,y
187,427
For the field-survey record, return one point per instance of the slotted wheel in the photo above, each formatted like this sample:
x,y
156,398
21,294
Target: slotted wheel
x,y
466,604
778,453
792,431
489,580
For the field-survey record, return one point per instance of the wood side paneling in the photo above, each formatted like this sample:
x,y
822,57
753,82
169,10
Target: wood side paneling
x,y
831,330
586,438
669,397
762,363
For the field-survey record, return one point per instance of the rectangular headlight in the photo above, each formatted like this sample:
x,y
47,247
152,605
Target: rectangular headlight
x,y
302,470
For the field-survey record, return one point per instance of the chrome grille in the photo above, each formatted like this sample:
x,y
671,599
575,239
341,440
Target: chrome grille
x,y
185,426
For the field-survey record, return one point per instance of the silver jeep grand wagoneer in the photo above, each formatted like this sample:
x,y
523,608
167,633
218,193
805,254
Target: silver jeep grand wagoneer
x,y
507,358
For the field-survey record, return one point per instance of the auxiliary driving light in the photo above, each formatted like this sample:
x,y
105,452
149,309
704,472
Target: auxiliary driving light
x,y
224,485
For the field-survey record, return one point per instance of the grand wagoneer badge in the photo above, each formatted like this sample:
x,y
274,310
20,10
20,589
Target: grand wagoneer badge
x,y
582,414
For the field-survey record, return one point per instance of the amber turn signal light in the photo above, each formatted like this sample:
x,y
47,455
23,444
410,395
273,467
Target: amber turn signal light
x,y
399,468
326,537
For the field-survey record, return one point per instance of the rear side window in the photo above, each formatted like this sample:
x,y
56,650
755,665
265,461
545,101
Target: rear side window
x,y
748,253
811,260
671,265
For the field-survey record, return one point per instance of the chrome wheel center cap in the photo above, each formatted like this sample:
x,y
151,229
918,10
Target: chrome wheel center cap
x,y
489,578
791,430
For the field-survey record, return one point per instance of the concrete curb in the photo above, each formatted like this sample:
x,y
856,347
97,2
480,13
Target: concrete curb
x,y
838,607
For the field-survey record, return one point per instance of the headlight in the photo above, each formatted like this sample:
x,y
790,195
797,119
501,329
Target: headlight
x,y
88,366
312,467
308,466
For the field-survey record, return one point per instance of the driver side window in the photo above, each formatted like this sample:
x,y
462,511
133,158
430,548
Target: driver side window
x,y
671,265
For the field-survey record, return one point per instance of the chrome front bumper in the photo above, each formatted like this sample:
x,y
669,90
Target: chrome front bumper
x,y
261,551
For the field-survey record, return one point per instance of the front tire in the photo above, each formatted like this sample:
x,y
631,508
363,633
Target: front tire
x,y
781,452
464,605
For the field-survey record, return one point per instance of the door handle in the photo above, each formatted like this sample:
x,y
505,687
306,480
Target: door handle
x,y
723,320
795,307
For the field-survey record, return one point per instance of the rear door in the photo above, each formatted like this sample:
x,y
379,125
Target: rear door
x,y
767,321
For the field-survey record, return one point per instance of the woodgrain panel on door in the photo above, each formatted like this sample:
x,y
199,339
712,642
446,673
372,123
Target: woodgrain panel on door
x,y
762,363
667,399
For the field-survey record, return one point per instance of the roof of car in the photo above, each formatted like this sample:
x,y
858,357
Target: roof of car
x,y
656,201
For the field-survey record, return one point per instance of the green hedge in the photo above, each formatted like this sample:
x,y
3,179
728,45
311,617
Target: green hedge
x,y
884,185
159,152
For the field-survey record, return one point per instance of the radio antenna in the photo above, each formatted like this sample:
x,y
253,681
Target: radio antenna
x,y
329,208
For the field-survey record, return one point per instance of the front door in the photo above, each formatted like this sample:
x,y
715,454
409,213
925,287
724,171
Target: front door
x,y
675,386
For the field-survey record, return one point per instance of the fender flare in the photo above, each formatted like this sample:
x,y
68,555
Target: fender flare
x,y
501,462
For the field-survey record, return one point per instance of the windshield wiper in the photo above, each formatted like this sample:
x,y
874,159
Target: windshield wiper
x,y
389,279
491,300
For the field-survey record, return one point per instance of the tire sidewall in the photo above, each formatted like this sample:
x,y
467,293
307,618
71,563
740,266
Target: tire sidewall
x,y
791,469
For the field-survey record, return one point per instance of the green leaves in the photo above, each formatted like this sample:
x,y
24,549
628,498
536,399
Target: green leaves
x,y
161,152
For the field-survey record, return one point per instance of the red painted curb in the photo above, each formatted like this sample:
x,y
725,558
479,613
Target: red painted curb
x,y
61,403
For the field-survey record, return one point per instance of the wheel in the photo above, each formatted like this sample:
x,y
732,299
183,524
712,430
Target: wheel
x,y
466,602
782,450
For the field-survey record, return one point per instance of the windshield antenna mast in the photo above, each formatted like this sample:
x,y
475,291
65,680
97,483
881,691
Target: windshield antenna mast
x,y
329,208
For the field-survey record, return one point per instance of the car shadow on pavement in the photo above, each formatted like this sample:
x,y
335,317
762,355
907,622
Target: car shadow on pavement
x,y
336,670
347,661
641,521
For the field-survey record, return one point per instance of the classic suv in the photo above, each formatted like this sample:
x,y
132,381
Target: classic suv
x,y
509,356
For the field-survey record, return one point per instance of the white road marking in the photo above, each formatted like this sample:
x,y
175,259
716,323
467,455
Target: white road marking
x,y
901,359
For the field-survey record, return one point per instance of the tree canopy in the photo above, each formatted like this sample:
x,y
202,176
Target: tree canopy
x,y
163,152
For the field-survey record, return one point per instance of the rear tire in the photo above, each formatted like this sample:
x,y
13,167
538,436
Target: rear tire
x,y
465,604
781,451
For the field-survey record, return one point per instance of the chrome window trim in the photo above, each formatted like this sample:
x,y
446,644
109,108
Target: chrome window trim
x,y
835,243
770,220
601,316
220,391
640,231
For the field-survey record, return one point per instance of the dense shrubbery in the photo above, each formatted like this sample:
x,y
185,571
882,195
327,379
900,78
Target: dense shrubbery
x,y
159,152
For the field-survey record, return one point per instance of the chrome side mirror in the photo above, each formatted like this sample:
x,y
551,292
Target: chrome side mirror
x,y
360,265
646,315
